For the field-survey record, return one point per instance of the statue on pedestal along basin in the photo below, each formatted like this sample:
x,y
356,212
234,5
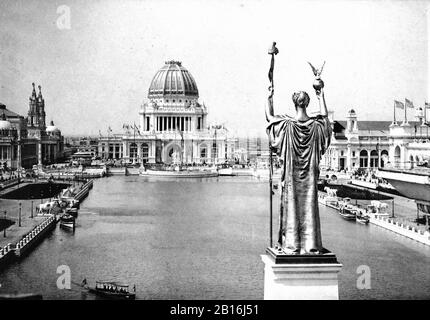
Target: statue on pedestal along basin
x,y
299,142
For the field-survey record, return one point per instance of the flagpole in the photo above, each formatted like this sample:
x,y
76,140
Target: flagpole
x,y
406,107
394,122
273,51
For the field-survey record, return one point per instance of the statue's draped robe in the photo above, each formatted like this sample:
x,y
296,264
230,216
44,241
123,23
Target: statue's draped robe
x,y
299,145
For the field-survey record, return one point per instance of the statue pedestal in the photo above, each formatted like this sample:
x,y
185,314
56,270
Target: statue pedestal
x,y
300,277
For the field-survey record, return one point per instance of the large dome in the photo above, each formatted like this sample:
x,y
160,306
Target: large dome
x,y
173,80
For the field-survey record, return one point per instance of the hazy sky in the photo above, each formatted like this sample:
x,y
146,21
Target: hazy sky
x,y
96,74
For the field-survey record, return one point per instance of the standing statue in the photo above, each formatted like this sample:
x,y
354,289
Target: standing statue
x,y
299,141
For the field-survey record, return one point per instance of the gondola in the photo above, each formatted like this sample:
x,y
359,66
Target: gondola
x,y
67,220
111,290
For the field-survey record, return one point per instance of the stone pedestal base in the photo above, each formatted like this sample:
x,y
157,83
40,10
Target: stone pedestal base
x,y
300,277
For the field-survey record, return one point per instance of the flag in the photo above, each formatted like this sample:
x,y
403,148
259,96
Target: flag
x,y
409,104
399,104
109,129
136,128
100,133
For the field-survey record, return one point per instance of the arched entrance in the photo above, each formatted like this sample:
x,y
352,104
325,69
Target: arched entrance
x,y
133,152
364,159
384,158
203,153
145,152
397,156
374,159
172,154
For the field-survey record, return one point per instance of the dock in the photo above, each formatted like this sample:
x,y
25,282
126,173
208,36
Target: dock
x,y
401,224
17,241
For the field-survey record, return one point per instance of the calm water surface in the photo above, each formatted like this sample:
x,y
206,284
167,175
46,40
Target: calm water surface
x,y
202,239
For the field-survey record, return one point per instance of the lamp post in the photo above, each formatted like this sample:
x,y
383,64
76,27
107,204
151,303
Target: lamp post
x,y
19,215
4,230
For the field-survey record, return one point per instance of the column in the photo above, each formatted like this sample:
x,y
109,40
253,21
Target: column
x,y
125,150
193,123
39,153
162,151
348,158
139,151
19,156
152,147
142,121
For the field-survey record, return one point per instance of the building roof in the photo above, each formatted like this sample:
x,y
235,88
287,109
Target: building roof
x,y
4,124
173,79
7,112
370,125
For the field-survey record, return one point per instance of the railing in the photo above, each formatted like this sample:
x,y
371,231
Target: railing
x,y
408,167
401,224
34,233
5,250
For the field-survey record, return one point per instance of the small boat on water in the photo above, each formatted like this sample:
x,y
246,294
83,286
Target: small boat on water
x,y
67,220
347,210
347,213
72,211
225,170
111,290
360,218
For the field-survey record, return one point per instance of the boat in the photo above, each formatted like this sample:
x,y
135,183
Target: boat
x,y
111,290
72,211
347,213
361,218
178,174
225,170
330,199
347,210
67,220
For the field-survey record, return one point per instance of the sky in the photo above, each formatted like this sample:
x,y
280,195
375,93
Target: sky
x,y
95,71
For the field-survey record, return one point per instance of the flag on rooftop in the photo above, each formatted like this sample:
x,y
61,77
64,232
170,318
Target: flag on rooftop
x,y
409,103
399,104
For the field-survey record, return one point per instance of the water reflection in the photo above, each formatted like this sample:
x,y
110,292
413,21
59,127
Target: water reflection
x,y
202,239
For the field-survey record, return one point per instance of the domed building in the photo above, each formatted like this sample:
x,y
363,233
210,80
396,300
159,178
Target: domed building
x,y
172,125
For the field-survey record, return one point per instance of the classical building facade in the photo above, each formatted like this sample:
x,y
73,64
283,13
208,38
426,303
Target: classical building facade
x,y
172,126
25,142
372,144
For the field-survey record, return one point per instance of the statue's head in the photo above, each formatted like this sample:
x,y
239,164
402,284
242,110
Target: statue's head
x,y
300,99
